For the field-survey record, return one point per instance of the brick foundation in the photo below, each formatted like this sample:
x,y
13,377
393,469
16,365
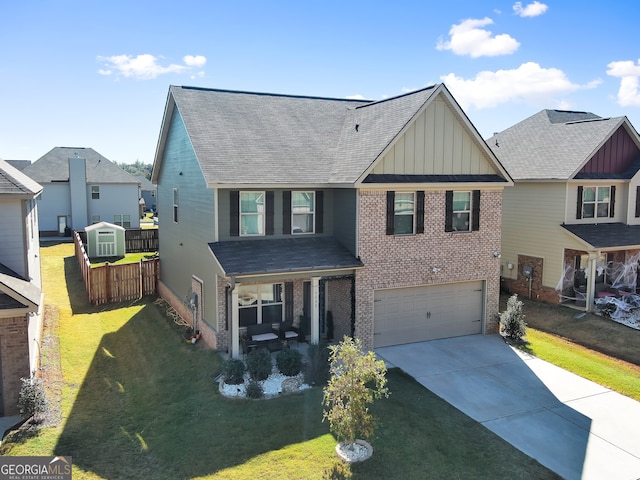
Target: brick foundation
x,y
14,349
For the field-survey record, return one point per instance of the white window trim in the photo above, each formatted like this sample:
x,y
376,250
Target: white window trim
x,y
595,202
259,303
469,211
97,191
312,213
412,213
254,214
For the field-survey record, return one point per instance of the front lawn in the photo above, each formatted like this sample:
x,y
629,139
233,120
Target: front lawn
x,y
136,401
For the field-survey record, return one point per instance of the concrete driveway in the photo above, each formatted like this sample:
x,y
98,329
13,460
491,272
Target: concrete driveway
x,y
573,426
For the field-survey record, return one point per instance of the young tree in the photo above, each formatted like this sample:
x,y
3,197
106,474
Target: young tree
x,y
356,380
512,322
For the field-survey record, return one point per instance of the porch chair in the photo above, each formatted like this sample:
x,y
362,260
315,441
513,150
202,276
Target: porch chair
x,y
288,332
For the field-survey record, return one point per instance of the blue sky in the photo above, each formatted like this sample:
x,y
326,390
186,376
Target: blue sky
x,y
96,73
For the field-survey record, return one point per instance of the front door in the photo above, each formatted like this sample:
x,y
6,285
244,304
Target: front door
x,y
62,224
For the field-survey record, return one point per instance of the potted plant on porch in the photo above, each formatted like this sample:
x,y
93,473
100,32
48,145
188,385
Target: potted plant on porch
x,y
357,379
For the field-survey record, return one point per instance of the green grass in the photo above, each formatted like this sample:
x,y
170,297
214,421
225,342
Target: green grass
x,y
128,258
137,401
623,377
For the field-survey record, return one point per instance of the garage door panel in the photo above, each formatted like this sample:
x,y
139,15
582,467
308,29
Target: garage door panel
x,y
417,314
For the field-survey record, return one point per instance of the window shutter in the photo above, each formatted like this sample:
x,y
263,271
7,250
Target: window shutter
x,y
448,214
288,302
612,201
475,211
579,206
319,211
637,201
234,213
269,213
286,212
420,211
391,198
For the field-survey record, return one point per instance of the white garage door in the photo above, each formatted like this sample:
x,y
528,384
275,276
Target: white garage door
x,y
416,314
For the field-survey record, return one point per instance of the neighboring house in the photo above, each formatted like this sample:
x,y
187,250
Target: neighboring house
x,y
20,284
147,194
81,187
284,208
571,223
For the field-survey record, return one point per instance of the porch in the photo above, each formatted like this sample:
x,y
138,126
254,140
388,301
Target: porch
x,y
272,286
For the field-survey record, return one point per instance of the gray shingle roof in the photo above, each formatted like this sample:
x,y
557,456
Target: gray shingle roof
x,y
14,182
15,291
54,166
551,144
607,235
254,138
282,255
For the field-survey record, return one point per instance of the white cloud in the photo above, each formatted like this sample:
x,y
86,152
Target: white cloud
x,y
195,61
532,10
469,38
145,66
628,72
528,83
354,97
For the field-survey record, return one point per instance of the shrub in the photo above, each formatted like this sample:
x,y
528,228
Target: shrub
x,y
357,379
512,322
316,371
254,389
233,372
289,362
31,398
259,364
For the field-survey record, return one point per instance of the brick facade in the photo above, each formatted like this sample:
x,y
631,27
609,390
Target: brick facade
x,y
339,304
402,261
520,284
14,358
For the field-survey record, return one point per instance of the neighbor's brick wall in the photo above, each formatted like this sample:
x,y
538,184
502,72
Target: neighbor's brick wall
x,y
339,303
14,349
520,284
401,261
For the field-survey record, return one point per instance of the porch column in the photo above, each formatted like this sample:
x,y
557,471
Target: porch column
x,y
315,310
235,323
591,280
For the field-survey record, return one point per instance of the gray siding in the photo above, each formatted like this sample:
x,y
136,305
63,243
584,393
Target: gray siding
x,y
54,201
344,217
184,250
224,214
115,199
12,240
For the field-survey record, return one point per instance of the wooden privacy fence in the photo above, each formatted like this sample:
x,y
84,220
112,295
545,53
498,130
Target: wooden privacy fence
x,y
136,240
117,283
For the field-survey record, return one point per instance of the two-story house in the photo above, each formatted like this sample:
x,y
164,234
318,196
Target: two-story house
x,y
284,208
571,223
80,188
20,284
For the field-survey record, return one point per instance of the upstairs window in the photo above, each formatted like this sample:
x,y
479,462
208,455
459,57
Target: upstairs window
x,y
405,213
595,202
462,211
95,192
303,212
252,213
95,219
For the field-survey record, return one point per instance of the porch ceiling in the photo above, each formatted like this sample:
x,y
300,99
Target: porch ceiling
x,y
607,235
264,256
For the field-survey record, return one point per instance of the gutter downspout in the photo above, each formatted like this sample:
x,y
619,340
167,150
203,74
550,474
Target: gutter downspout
x,y
235,320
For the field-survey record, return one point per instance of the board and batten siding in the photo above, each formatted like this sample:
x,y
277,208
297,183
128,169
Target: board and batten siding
x,y
532,215
436,143
12,245
184,246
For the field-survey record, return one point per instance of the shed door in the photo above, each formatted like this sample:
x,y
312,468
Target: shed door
x,y
106,243
417,314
